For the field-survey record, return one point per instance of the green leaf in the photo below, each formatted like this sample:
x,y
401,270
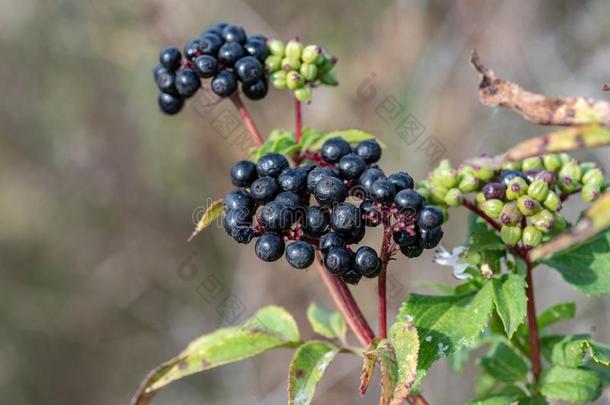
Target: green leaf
x,y
350,135
504,364
570,384
442,288
586,267
534,400
276,140
483,237
506,396
269,328
599,352
458,359
307,367
510,301
308,137
565,351
556,313
385,356
215,210
403,337
446,323
327,323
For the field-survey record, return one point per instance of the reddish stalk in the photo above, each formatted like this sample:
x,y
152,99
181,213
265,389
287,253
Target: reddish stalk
x,y
532,324
245,116
298,133
383,303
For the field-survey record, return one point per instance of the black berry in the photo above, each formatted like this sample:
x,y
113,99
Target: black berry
x,y
370,215
276,216
404,238
345,217
224,83
207,65
187,82
293,179
355,235
352,276
269,247
431,238
239,198
257,90
338,260
330,240
413,250
383,191
234,33
334,149
248,69
329,191
170,58
401,181
369,150
230,52
494,191
292,200
430,217
257,48
170,104
408,202
318,173
351,166
366,262
507,175
264,190
191,49
368,177
234,218
299,254
210,44
243,173
271,164
166,82
316,221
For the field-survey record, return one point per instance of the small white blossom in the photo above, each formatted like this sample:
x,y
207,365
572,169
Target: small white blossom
x,y
454,259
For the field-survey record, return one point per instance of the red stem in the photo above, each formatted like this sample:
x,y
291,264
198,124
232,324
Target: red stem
x,y
299,121
532,324
383,304
245,116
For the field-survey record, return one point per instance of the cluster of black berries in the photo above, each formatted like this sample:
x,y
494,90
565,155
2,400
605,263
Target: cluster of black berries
x,y
332,175
224,53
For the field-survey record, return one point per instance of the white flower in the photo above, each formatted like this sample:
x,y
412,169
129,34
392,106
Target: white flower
x,y
454,259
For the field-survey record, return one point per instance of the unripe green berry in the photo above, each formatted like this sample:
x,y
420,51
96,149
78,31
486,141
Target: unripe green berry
x,y
538,189
473,258
278,79
480,198
294,80
551,162
424,192
448,178
492,208
445,213
294,49
309,71
590,192
570,174
511,235
273,63
468,183
454,197
311,53
289,63
594,177
532,163
483,173
514,165
543,221
552,201
465,170
516,188
325,63
527,205
437,193
329,79
510,214
303,94
531,237
560,223
565,158
276,47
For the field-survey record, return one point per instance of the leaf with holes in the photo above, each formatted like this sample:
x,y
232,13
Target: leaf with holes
x,y
385,356
327,323
510,301
576,385
307,367
405,341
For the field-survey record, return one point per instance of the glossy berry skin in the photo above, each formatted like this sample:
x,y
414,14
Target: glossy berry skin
x,y
430,217
191,49
401,181
494,191
370,215
224,83
264,189
369,150
408,202
170,58
299,254
293,179
187,82
413,250
242,234
216,28
330,240
257,48
236,218
166,82
338,260
366,262
276,216
239,198
170,104
292,200
207,66
404,238
234,33
345,218
368,177
318,173
248,69
316,221
351,166
269,247
271,164
431,238
334,149
229,53
243,173
355,235
258,37
210,44
352,276
383,191
257,90
329,191
507,175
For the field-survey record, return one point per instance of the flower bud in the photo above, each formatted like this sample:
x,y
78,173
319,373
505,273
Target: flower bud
x,y
527,205
311,53
569,176
593,176
289,64
538,190
448,178
309,71
454,197
560,223
531,237
294,81
552,201
276,47
479,198
303,94
483,173
278,79
273,63
551,162
590,192
468,183
511,235
532,163
329,79
543,221
492,208
510,214
294,48
516,188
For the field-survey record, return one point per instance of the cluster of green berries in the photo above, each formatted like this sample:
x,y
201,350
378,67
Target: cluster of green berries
x,y
299,68
524,196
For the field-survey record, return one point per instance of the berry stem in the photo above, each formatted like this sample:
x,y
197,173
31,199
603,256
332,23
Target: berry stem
x,y
245,116
383,304
298,133
532,323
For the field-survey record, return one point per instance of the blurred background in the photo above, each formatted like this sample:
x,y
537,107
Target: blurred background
x,y
98,189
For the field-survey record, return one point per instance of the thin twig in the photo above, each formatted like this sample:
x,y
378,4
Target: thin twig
x,y
532,323
245,115
298,133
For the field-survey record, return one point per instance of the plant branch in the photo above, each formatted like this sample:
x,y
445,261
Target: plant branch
x,y
532,324
245,116
385,254
298,133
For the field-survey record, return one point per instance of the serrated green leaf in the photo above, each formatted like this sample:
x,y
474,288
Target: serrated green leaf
x,y
446,323
308,137
576,385
506,396
366,373
534,400
565,351
504,364
483,237
385,356
602,371
510,301
587,266
556,313
272,143
405,341
350,135
307,367
599,352
269,328
215,210
325,322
